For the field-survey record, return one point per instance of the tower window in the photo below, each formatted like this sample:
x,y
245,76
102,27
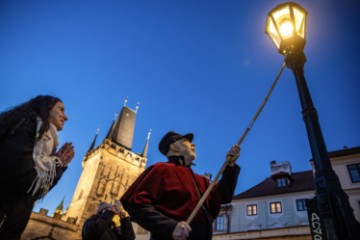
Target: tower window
x,y
81,194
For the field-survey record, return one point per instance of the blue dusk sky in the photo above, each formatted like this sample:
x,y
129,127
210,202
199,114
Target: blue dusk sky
x,y
193,66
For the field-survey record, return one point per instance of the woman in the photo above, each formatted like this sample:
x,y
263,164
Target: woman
x,y
29,163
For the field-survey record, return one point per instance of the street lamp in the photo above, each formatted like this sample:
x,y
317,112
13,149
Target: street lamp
x,y
286,25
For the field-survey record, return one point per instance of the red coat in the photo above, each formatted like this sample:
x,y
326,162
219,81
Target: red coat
x,y
169,188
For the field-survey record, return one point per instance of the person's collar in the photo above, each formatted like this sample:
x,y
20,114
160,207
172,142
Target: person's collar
x,y
178,160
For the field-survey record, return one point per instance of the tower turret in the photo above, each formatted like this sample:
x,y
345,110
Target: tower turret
x,y
94,141
144,153
122,130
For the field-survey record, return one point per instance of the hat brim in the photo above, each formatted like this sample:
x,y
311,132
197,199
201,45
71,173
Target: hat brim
x,y
188,136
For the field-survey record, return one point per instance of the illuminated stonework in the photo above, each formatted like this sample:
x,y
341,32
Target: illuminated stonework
x,y
108,171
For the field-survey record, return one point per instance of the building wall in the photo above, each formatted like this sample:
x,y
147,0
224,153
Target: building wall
x,y
290,224
83,190
42,226
295,233
289,216
339,165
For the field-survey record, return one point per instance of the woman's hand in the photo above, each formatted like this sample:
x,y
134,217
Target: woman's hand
x,y
66,153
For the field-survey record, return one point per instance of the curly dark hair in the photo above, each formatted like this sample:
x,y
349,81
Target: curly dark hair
x,y
39,106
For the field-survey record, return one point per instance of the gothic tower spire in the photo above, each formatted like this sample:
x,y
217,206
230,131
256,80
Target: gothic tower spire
x,y
144,153
94,141
59,209
111,127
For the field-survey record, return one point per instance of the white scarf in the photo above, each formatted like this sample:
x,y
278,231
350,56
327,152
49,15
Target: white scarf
x,y
45,161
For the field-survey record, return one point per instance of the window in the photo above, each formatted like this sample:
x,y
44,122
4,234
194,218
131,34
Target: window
x,y
81,194
275,207
220,226
354,171
301,204
281,182
251,209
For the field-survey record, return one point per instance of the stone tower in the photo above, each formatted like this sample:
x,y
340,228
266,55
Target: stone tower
x,y
108,169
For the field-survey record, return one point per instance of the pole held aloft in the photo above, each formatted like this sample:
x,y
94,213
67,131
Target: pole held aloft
x,y
241,139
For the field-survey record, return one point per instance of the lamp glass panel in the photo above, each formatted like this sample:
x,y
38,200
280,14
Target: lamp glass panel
x,y
271,31
299,17
283,22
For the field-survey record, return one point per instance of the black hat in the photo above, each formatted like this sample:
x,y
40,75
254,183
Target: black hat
x,y
171,137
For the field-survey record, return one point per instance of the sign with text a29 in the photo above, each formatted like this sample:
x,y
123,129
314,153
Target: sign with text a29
x,y
314,220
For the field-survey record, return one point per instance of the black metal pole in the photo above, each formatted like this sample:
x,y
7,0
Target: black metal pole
x,y
336,214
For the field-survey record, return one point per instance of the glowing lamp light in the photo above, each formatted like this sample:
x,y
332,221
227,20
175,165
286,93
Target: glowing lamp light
x,y
285,25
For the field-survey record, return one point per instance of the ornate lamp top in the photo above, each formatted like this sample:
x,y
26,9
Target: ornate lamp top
x,y
286,25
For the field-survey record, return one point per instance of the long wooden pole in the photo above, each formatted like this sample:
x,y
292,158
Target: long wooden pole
x,y
208,190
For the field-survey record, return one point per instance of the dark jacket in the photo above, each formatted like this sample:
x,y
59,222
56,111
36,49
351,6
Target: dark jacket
x,y
101,227
17,173
167,193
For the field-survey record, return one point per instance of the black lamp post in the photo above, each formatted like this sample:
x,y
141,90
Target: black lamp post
x,y
286,27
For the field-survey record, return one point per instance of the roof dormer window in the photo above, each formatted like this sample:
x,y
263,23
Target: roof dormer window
x,y
282,182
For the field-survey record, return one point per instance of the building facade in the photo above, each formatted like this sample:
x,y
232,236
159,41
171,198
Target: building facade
x,y
346,164
276,207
